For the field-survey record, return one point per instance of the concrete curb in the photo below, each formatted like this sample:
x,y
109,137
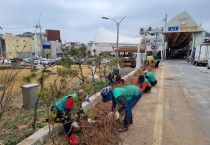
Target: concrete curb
x,y
40,137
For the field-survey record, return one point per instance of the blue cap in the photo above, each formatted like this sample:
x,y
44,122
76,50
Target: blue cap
x,y
106,94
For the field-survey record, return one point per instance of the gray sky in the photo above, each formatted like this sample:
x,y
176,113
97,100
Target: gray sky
x,y
78,20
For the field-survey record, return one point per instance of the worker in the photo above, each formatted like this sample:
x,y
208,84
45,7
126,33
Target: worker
x,y
62,110
114,77
144,84
150,76
157,63
127,97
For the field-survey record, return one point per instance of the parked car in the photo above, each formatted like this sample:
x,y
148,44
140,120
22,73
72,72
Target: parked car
x,y
16,59
37,61
46,61
129,61
5,61
105,60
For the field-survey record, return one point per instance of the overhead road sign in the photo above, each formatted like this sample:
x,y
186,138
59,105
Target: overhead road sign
x,y
174,28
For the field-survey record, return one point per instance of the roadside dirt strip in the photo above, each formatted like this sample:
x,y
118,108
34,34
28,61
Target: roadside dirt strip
x,y
147,126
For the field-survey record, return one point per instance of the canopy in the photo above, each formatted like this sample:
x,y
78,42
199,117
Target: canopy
x,y
104,36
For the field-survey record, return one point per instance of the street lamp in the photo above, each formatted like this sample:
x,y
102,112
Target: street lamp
x,y
117,21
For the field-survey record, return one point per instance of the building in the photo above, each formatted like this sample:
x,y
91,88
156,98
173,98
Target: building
x,y
154,41
29,45
182,32
37,45
53,35
17,46
2,47
52,49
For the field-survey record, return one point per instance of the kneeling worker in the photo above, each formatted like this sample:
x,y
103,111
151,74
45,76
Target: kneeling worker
x,y
143,83
127,96
150,76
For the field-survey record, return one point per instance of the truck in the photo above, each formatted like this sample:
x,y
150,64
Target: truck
x,y
202,54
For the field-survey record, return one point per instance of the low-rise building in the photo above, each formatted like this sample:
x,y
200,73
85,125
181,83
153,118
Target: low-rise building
x,y
17,45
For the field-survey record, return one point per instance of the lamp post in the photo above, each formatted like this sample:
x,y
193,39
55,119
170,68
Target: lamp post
x,y
117,21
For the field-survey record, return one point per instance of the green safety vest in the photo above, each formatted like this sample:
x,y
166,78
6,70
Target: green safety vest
x,y
145,80
151,77
129,92
60,104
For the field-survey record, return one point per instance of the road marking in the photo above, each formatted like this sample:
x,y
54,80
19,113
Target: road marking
x,y
157,133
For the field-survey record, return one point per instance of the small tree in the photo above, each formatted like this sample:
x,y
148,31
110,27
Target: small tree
x,y
80,57
7,82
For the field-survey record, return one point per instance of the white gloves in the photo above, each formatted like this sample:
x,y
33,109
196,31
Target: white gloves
x,y
110,114
74,124
117,115
90,121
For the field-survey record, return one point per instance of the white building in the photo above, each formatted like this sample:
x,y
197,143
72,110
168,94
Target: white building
x,y
43,48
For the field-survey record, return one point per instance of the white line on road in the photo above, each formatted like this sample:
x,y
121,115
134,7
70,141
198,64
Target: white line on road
x,y
157,133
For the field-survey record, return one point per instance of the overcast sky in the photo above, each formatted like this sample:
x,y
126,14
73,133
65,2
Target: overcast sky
x,y
78,20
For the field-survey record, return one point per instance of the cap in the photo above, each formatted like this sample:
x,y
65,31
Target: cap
x,y
141,78
106,94
145,71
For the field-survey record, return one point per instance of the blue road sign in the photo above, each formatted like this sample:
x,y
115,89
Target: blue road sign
x,y
174,28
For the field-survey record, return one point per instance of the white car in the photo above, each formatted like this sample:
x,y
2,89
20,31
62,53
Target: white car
x,y
44,61
37,61
105,60
5,61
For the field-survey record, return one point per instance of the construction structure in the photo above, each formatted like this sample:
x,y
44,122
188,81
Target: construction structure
x,y
104,43
182,32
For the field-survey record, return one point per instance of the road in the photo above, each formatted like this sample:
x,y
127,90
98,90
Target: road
x,y
176,111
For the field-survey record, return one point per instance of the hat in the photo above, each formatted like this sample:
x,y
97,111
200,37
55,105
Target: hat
x,y
145,71
141,78
106,94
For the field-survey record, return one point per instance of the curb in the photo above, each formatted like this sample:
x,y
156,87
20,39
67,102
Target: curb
x,y
40,137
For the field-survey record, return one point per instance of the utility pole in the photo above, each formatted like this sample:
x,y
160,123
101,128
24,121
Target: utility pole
x,y
165,20
117,21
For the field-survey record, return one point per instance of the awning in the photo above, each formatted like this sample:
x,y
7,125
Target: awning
x,y
128,49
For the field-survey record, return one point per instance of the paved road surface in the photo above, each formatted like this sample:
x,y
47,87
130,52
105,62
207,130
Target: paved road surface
x,y
176,111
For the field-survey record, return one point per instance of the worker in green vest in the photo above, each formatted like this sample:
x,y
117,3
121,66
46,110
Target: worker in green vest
x,y
143,83
114,77
150,76
65,107
127,97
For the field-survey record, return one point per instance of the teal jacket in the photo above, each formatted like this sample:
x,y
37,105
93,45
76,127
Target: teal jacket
x,y
151,77
60,104
127,91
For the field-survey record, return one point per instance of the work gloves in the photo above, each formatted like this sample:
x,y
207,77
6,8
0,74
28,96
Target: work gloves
x,y
74,124
90,121
117,115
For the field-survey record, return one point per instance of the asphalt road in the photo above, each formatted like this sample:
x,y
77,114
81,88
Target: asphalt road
x,y
186,104
176,111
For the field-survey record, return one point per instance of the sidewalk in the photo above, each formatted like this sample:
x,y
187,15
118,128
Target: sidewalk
x,y
144,114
